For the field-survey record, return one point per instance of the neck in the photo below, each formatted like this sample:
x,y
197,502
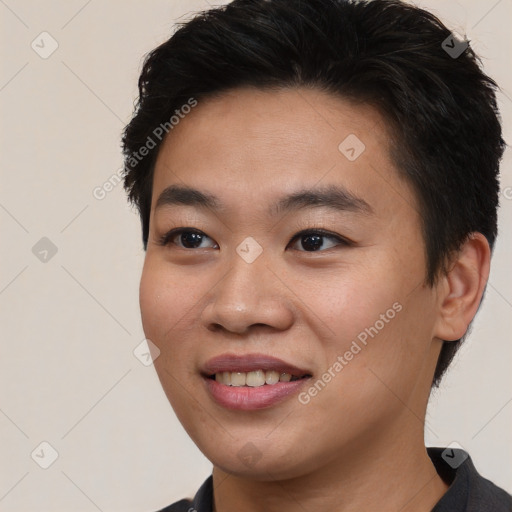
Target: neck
x,y
381,476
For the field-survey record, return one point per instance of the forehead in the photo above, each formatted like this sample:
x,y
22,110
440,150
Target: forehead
x,y
251,147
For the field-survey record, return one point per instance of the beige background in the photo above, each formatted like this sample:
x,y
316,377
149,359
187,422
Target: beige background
x,y
70,325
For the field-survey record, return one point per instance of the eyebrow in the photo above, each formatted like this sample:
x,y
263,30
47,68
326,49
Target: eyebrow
x,y
333,197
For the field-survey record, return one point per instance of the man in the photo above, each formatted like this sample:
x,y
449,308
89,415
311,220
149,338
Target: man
x,y
318,184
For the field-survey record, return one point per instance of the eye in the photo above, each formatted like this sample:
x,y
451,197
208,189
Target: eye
x,y
190,238
312,239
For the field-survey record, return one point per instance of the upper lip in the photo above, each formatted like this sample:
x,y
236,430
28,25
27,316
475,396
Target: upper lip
x,y
248,363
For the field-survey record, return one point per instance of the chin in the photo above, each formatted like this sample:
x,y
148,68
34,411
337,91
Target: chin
x,y
268,471
268,460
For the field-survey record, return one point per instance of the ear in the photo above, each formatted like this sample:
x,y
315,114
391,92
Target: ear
x,y
460,290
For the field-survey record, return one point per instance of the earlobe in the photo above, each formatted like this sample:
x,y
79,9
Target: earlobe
x,y
461,289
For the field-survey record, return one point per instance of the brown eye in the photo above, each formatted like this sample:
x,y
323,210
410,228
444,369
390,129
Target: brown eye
x,y
313,240
185,238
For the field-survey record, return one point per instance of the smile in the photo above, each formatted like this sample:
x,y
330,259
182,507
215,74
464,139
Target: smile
x,y
251,381
255,378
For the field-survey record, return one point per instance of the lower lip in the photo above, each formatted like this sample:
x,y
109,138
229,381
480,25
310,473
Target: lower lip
x,y
247,398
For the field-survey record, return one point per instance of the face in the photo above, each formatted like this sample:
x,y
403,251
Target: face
x,y
309,251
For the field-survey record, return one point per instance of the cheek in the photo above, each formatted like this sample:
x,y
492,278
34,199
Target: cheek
x,y
162,303
345,303
373,319
153,301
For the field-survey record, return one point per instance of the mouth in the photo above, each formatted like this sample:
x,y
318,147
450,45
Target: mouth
x,y
252,381
255,378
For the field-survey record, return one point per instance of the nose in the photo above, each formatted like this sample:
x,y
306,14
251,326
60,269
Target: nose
x,y
249,296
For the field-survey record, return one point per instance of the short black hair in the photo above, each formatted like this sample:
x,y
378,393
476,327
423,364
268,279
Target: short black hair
x,y
440,107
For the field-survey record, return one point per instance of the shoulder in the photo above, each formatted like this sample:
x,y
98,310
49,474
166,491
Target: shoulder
x,y
484,492
202,501
468,491
185,505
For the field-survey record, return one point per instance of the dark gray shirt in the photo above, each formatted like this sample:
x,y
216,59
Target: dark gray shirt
x,y
468,491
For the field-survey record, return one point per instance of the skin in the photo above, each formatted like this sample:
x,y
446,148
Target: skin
x,y
358,444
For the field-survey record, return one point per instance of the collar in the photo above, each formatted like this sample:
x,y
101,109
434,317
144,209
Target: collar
x,y
468,491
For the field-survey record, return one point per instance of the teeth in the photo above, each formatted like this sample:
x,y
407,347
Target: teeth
x,y
271,377
255,379
252,379
223,378
238,379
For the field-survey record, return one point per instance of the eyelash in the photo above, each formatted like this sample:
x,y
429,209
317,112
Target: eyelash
x,y
173,233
